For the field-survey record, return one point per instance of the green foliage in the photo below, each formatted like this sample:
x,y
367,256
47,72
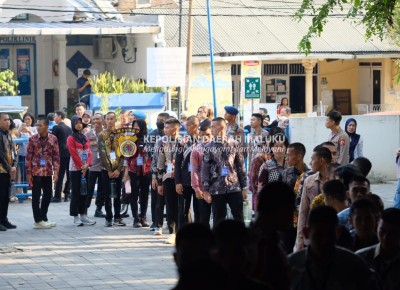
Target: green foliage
x,y
108,83
8,86
375,15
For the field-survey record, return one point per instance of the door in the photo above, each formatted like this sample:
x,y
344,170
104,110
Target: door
x,y
19,59
342,101
370,89
298,93
376,86
365,89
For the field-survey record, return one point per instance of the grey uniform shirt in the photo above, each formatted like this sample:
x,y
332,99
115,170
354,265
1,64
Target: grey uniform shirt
x,y
342,143
93,140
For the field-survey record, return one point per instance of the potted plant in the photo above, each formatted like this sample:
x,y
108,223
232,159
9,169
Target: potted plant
x,y
8,86
111,92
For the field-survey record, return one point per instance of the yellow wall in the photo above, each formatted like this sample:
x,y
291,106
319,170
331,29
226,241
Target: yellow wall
x,y
390,97
200,92
344,74
340,75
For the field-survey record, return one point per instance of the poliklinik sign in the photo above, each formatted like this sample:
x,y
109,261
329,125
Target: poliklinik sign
x,y
17,39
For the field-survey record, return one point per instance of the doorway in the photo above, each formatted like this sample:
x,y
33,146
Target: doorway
x,y
370,88
342,101
298,93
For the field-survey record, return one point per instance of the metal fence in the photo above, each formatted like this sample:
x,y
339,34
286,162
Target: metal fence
x,y
372,108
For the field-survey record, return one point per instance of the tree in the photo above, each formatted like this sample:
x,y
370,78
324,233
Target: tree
x,y
375,15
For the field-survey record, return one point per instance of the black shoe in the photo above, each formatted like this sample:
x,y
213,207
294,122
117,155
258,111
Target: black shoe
x,y
108,223
8,225
124,215
153,226
66,198
2,228
56,199
119,222
137,224
144,223
99,214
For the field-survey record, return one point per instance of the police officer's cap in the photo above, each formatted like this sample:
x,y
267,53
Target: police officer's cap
x,y
231,110
139,114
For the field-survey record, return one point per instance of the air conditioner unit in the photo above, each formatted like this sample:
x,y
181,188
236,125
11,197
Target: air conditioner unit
x,y
103,48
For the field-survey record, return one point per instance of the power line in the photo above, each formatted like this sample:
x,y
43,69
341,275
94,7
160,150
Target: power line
x,y
168,14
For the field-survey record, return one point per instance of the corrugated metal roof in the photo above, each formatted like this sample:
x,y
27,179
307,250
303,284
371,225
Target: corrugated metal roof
x,y
77,28
264,27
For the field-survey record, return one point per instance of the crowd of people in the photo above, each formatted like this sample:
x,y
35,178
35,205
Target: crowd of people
x,y
315,227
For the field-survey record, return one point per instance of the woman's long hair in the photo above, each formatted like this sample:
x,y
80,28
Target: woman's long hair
x,y
142,127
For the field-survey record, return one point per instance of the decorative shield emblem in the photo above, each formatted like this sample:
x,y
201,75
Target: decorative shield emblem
x,y
128,148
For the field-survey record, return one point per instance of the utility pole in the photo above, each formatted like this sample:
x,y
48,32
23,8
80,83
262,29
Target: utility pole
x,y
180,45
189,55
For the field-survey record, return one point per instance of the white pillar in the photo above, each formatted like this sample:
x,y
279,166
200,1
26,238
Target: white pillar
x,y
309,65
62,72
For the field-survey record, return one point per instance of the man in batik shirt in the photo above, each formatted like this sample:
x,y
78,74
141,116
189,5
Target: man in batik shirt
x,y
42,163
223,173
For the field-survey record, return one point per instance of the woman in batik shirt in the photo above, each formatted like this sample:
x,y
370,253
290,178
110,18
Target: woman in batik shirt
x,y
272,169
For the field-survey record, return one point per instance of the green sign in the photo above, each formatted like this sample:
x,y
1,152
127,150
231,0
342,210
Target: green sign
x,y
252,88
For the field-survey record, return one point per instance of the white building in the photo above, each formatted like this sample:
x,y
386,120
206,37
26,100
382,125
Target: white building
x,y
48,42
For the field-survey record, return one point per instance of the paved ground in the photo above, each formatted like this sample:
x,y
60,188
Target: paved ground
x,y
70,257
89,257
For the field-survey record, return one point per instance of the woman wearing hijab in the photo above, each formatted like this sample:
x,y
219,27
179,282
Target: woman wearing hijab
x,y
356,142
81,158
138,172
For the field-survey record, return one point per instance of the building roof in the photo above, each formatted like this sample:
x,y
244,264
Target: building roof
x,y
251,27
77,28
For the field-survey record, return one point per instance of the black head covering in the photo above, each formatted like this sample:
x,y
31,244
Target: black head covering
x,y
77,135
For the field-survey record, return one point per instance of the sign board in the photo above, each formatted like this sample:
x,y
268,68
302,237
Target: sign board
x,y
166,66
252,88
17,39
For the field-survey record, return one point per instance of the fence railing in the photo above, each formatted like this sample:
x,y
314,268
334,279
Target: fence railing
x,y
372,108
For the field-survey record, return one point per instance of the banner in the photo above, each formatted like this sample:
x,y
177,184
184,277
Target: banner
x,y
250,69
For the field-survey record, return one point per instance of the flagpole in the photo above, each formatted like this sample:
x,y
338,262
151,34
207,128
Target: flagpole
x,y
211,57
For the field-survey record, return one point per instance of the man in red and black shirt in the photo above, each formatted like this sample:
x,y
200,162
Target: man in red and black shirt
x,y
42,163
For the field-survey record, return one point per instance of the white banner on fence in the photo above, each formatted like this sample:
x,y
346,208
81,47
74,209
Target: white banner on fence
x,y
166,66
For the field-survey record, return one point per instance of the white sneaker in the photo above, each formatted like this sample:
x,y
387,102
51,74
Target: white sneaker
x,y
87,221
52,224
158,231
41,225
77,221
170,240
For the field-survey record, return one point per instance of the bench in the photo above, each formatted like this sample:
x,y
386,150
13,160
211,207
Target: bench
x,y
22,196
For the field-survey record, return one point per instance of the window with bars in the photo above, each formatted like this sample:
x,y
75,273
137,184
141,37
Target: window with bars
x,y
370,64
236,69
298,69
276,69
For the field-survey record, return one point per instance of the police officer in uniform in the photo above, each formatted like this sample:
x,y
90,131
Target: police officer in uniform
x,y
338,136
233,130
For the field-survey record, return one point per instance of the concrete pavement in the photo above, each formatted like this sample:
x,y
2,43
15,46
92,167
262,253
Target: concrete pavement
x,y
88,257
91,257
